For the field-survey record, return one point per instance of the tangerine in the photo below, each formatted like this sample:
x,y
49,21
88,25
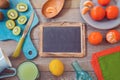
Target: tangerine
x,y
85,10
95,38
97,13
113,36
112,12
88,4
104,2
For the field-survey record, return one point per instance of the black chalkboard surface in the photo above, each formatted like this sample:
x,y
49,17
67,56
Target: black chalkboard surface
x,y
62,40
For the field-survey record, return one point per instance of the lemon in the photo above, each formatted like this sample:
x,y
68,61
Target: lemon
x,y
56,67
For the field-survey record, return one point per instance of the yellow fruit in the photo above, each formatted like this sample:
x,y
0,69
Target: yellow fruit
x,y
56,67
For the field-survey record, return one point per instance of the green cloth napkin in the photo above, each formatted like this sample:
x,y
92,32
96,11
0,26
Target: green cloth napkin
x,y
110,66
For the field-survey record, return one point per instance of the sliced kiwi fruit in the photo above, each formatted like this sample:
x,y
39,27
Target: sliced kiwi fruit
x,y
10,24
4,4
12,14
16,31
1,16
22,7
22,20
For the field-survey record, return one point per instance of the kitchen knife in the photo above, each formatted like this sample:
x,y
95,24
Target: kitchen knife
x,y
20,43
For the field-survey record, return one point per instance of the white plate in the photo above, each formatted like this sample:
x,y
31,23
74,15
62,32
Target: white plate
x,y
104,24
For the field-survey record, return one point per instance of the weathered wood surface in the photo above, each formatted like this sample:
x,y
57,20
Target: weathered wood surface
x,y
70,13
48,76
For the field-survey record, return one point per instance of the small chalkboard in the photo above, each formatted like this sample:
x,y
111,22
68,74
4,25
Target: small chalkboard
x,y
62,40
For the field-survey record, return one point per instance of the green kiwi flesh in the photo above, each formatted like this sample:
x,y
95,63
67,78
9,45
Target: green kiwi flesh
x,y
22,7
16,31
12,14
22,20
10,24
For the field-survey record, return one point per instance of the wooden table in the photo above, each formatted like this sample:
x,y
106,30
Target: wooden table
x,y
70,13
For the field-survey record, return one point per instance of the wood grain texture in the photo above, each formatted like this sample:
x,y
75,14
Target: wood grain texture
x,y
68,3
70,13
49,76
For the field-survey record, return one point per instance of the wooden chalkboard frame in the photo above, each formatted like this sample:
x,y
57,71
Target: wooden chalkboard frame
x,y
63,54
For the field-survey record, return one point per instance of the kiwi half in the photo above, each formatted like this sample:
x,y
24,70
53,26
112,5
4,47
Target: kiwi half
x,y
12,14
4,4
22,20
1,16
22,7
16,31
10,24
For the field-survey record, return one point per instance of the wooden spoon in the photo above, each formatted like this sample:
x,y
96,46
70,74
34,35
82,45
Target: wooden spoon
x,y
52,8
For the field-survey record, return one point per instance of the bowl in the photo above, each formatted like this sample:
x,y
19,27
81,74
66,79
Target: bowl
x,y
52,8
104,24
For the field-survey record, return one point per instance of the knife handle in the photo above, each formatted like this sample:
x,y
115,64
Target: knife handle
x,y
18,48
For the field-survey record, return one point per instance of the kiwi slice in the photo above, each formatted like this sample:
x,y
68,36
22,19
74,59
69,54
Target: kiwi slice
x,y
10,24
22,7
22,20
12,14
16,31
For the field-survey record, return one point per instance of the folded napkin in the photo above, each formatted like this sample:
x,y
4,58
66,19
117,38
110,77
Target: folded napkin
x,y
106,64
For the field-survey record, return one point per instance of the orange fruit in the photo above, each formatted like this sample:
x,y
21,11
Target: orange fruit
x,y
112,12
97,13
113,36
88,4
85,10
104,2
95,38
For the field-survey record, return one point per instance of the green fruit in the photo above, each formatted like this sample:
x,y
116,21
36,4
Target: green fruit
x,y
22,7
10,24
12,14
22,20
16,31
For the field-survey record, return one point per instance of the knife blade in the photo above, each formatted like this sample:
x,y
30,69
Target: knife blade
x,y
21,41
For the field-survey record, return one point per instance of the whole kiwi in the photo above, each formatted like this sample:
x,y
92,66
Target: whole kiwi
x,y
1,16
4,4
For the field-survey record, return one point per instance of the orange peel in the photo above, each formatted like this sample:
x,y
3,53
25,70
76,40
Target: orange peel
x,y
88,4
51,10
113,36
85,10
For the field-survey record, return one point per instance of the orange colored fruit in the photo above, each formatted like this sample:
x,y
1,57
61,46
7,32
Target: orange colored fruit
x,y
88,4
113,36
85,10
112,12
97,13
104,2
95,38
